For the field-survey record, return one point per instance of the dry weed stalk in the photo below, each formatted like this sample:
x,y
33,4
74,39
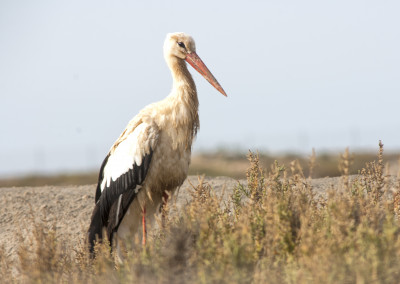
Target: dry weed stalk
x,y
345,163
312,163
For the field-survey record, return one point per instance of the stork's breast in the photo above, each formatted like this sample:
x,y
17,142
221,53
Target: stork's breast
x,y
170,163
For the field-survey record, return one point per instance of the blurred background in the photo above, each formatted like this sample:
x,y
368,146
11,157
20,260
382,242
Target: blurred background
x,y
299,75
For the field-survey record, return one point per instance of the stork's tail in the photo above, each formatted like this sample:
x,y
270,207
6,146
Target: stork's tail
x,y
95,232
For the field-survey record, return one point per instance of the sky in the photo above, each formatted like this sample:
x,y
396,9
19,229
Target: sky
x,y
298,74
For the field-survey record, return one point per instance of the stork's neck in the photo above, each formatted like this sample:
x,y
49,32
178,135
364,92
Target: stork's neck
x,y
183,83
184,95
183,88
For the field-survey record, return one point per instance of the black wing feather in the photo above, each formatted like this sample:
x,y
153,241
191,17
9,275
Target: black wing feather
x,y
111,193
101,177
114,220
104,214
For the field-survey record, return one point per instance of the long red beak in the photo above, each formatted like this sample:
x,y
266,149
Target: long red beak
x,y
194,60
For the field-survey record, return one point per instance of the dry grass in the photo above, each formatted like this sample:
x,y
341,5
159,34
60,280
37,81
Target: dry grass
x,y
275,229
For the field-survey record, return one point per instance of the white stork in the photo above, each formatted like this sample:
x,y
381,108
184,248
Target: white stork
x,y
150,159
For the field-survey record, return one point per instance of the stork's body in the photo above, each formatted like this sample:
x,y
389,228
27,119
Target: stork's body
x,y
151,157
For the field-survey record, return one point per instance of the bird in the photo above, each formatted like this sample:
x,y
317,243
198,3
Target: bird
x,y
151,157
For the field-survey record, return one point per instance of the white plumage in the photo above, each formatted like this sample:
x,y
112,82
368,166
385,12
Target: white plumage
x,y
129,152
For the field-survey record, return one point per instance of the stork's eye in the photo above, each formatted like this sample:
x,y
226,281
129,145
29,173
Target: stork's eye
x,y
181,44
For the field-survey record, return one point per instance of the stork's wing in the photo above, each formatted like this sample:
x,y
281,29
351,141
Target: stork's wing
x,y
122,175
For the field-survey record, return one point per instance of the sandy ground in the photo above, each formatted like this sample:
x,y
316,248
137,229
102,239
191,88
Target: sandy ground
x,y
69,208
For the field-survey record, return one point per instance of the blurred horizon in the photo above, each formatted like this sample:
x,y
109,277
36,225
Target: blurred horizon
x,y
230,162
299,75
235,165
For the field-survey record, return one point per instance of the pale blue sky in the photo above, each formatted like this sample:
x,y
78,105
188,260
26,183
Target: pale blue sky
x,y
298,74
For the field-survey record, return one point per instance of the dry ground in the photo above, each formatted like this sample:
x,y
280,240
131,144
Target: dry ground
x,y
69,208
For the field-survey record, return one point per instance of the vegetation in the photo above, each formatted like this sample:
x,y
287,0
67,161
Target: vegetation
x,y
273,229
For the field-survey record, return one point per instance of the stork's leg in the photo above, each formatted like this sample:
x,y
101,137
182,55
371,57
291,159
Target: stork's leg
x,y
164,203
144,226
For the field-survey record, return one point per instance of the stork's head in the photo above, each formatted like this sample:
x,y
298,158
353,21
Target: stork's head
x,y
182,47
